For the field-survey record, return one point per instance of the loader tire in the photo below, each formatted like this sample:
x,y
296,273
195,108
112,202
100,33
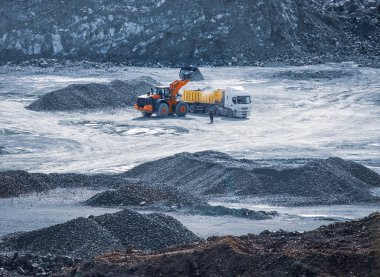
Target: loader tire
x,y
163,110
181,109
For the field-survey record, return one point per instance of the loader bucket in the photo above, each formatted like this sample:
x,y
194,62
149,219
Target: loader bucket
x,y
191,73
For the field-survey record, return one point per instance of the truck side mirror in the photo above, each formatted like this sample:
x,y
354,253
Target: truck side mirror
x,y
234,100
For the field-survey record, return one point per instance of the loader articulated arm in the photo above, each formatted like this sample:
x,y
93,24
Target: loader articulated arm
x,y
177,85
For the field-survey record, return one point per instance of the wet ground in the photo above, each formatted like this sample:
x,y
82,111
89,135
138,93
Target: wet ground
x,y
293,119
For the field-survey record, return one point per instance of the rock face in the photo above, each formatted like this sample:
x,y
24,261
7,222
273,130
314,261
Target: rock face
x,y
91,96
340,249
169,32
212,173
86,237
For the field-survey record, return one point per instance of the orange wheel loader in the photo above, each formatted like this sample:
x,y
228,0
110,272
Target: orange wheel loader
x,y
164,101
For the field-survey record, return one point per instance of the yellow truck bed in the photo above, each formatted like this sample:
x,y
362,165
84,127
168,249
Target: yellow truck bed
x,y
201,96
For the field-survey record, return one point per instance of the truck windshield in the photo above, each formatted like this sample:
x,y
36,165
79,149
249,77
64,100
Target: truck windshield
x,y
244,99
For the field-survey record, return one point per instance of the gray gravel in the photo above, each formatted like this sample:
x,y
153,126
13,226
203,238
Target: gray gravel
x,y
145,232
310,74
329,181
160,197
95,95
18,182
87,237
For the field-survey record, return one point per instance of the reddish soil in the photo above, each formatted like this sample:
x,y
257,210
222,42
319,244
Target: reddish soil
x,y
341,249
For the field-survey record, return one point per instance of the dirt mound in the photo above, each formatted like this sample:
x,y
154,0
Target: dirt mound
x,y
86,237
326,181
340,249
93,96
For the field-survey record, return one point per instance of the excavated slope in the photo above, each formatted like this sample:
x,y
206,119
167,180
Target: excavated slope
x,y
168,32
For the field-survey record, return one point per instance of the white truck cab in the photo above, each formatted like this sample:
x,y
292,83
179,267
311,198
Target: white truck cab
x,y
235,103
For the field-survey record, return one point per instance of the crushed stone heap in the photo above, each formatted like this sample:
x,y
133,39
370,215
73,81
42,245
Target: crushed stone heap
x,y
94,96
324,181
86,237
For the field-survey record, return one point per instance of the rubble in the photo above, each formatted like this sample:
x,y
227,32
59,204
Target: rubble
x,y
341,249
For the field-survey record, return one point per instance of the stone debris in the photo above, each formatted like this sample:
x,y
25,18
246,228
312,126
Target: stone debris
x,y
87,237
167,198
209,173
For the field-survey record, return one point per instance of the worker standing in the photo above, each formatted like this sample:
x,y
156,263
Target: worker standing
x,y
211,114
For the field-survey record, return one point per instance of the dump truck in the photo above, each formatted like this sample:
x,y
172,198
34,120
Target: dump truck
x,y
165,100
226,102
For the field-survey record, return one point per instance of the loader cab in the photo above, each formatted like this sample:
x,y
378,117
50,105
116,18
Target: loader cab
x,y
162,91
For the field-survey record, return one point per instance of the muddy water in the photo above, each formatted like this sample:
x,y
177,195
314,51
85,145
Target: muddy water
x,y
57,206
45,209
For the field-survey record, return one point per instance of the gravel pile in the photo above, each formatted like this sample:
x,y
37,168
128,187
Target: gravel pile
x,y
326,181
158,197
145,232
310,74
137,193
94,96
35,265
15,183
87,237
80,237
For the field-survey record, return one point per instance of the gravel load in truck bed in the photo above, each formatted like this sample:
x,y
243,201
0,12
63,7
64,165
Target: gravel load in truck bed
x,y
86,237
324,181
94,95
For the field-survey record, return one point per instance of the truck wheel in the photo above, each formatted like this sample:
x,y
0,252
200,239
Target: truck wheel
x,y
145,114
230,113
163,110
216,111
181,109
192,109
